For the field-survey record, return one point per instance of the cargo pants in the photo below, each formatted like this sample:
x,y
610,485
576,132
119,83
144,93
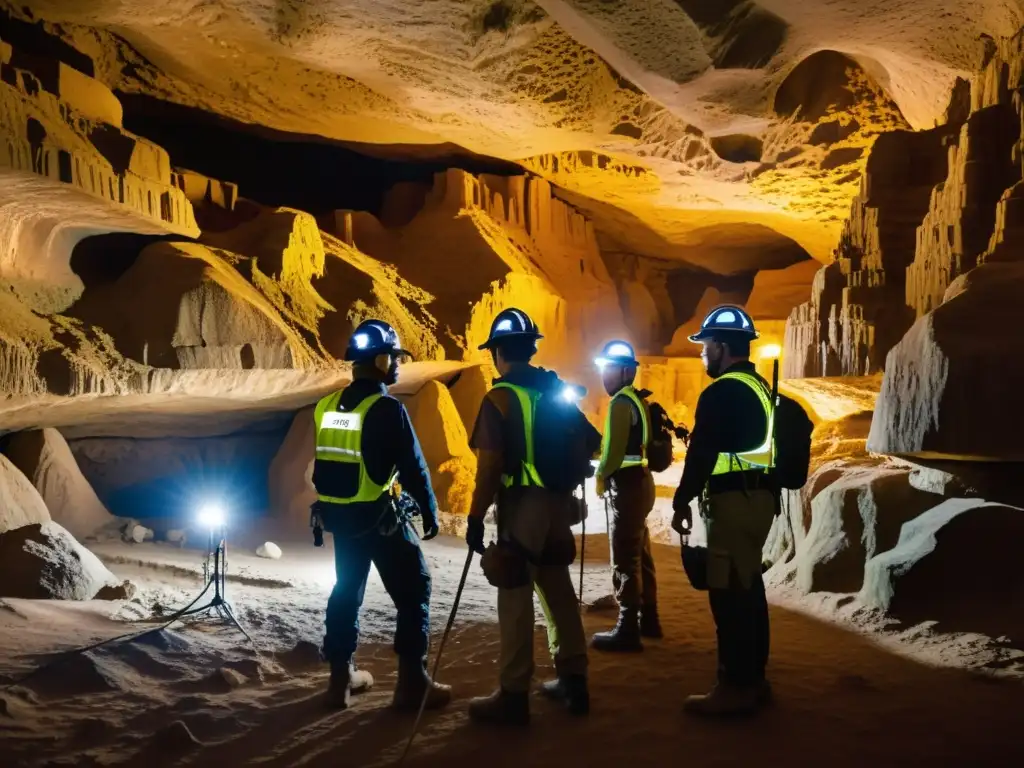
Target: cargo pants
x,y
737,527
631,499
403,569
538,522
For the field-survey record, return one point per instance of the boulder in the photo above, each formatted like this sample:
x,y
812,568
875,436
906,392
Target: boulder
x,y
45,458
45,562
957,373
958,564
855,516
20,502
445,446
269,550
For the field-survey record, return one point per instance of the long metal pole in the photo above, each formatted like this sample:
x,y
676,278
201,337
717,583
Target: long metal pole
x,y
440,650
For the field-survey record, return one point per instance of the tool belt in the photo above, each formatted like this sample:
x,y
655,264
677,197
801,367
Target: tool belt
x,y
386,516
749,480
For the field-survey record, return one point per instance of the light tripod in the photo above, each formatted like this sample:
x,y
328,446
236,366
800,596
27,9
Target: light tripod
x,y
215,571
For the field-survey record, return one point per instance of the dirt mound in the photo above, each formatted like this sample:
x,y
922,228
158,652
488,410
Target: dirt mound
x,y
44,456
75,675
20,502
43,562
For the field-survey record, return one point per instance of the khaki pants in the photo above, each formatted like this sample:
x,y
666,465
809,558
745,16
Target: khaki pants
x,y
538,521
737,525
633,575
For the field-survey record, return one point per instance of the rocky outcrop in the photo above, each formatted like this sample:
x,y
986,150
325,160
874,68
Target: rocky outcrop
x,y
852,519
954,375
20,502
856,311
61,124
933,572
44,458
933,206
45,562
507,242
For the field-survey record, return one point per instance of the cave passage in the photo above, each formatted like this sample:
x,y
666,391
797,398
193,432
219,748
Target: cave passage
x,y
281,169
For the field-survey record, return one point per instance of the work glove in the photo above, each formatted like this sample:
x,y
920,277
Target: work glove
x,y
430,526
475,534
682,520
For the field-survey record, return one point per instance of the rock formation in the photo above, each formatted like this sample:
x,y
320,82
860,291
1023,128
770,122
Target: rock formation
x,y
445,447
20,502
44,457
949,385
933,205
44,562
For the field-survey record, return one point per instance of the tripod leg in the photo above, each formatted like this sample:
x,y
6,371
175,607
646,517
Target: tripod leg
x,y
231,616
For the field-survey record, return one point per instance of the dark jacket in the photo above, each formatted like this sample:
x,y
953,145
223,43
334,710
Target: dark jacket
x,y
729,419
388,442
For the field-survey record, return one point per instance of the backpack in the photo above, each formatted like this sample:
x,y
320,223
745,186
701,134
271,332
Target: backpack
x,y
659,446
563,443
792,443
563,440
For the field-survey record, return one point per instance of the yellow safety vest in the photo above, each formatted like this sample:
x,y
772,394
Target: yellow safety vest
x,y
630,460
339,439
762,457
528,475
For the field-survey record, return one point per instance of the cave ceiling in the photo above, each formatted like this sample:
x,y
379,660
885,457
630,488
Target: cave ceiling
x,y
704,131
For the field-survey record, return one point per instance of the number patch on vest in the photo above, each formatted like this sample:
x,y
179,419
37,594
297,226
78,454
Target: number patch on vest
x,y
350,422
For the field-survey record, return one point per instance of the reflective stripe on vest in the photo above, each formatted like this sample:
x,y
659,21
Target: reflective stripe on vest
x,y
629,460
339,438
761,457
528,475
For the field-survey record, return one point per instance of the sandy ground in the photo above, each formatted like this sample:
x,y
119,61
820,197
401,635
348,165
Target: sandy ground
x,y
200,695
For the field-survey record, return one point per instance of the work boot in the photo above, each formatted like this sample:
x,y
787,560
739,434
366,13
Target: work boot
x,y
724,700
650,625
346,680
501,708
414,683
623,638
570,690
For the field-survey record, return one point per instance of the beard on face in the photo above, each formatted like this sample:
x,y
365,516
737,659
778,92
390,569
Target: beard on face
x,y
712,357
391,376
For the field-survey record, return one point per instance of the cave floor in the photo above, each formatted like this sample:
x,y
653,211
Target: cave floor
x,y
200,695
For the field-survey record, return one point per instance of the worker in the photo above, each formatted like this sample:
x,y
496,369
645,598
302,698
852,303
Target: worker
x,y
535,542
365,444
727,467
624,476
